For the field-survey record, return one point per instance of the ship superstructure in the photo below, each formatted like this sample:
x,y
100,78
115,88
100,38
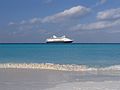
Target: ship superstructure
x,y
56,39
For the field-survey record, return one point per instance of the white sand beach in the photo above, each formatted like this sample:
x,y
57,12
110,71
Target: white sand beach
x,y
36,79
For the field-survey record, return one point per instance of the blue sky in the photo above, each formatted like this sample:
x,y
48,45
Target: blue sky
x,y
85,21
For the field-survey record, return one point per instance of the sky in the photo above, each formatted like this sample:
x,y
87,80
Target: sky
x,y
84,21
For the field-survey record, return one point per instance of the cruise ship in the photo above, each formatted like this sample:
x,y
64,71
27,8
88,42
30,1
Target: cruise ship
x,y
56,39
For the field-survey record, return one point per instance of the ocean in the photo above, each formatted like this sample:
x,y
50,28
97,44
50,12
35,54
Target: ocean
x,y
60,66
80,54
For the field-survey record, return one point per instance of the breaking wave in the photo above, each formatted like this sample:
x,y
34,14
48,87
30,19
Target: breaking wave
x,y
60,67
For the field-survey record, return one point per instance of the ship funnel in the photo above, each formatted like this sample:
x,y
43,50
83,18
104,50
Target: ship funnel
x,y
63,36
54,36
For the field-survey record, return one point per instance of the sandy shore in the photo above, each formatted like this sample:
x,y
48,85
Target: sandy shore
x,y
106,85
12,79
35,79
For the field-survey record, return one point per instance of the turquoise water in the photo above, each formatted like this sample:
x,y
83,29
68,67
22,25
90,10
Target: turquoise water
x,y
85,54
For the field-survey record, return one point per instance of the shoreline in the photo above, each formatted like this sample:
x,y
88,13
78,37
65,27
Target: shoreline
x,y
45,66
58,67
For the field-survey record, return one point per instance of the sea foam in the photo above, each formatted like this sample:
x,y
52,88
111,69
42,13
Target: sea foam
x,y
61,67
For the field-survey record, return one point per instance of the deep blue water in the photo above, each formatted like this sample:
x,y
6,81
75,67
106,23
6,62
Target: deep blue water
x,y
87,54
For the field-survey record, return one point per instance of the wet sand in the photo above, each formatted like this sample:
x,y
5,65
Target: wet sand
x,y
36,79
